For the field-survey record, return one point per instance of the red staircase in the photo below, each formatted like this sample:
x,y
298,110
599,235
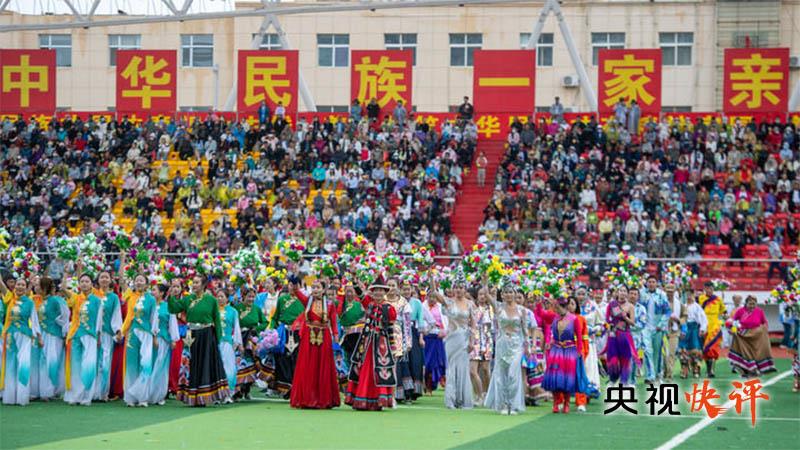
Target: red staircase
x,y
468,213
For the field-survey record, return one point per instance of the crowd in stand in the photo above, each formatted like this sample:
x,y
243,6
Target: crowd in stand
x,y
666,190
393,180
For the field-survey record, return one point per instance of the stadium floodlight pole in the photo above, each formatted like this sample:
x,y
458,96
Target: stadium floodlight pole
x,y
794,100
255,43
305,92
554,7
255,12
4,5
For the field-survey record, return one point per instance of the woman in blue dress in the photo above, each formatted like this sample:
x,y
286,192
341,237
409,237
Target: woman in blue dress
x,y
166,338
54,317
86,321
139,329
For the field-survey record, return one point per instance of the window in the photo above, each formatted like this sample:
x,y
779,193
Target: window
x,y
197,50
402,41
752,39
122,42
333,50
606,40
676,48
462,48
544,48
269,41
62,44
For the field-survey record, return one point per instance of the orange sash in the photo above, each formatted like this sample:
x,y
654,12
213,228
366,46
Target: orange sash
x,y
75,321
10,300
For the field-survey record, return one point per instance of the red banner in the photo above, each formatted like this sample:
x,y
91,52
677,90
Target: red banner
x,y
28,81
756,80
629,74
383,75
147,81
504,80
267,76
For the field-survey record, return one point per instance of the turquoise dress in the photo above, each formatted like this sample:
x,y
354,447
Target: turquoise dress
x,y
138,367
54,317
167,336
112,322
81,356
22,329
231,337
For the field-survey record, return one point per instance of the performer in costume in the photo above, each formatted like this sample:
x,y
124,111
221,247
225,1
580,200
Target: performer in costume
x,y
716,314
180,354
316,384
595,324
112,324
416,356
166,338
750,352
402,342
54,316
620,351
637,330
351,319
207,383
372,370
252,321
20,332
286,312
658,310
86,323
140,329
2,337
458,309
674,329
598,295
694,324
545,316
230,340
482,348
34,291
565,374
434,331
506,392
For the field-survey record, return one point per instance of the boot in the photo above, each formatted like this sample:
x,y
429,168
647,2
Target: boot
x,y
684,371
556,402
709,371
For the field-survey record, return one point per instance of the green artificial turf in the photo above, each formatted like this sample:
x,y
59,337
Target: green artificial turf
x,y
425,425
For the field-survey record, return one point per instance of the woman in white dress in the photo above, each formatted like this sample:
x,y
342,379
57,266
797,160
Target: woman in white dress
x,y
506,392
166,338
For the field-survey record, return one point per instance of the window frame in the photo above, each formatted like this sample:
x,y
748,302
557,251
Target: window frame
x,y
271,44
523,42
607,44
402,45
113,48
59,48
466,46
333,46
192,46
676,45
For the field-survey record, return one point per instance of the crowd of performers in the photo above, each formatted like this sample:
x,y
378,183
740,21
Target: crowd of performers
x,y
208,340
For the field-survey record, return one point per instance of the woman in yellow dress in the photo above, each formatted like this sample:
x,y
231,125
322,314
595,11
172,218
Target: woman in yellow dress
x,y
716,314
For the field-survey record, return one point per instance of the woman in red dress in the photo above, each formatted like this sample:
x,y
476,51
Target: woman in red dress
x,y
316,384
372,368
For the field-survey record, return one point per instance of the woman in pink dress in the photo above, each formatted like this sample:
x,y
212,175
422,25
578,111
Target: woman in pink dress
x,y
750,351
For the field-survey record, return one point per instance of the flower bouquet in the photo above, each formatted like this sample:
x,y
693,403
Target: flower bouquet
x,y
628,271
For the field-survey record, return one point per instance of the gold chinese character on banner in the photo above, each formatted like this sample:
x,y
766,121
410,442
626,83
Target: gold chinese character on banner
x,y
756,81
264,74
25,78
488,125
380,80
144,80
629,81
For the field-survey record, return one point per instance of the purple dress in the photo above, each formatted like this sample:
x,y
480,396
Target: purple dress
x,y
565,371
620,351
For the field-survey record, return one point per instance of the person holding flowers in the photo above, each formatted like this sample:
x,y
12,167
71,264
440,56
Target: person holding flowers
x,y
230,339
716,313
207,383
694,325
316,384
506,390
750,351
482,344
252,322
54,316
20,333
166,338
109,334
565,373
86,324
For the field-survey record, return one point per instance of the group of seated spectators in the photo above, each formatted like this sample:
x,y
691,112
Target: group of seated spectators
x,y
395,182
666,190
